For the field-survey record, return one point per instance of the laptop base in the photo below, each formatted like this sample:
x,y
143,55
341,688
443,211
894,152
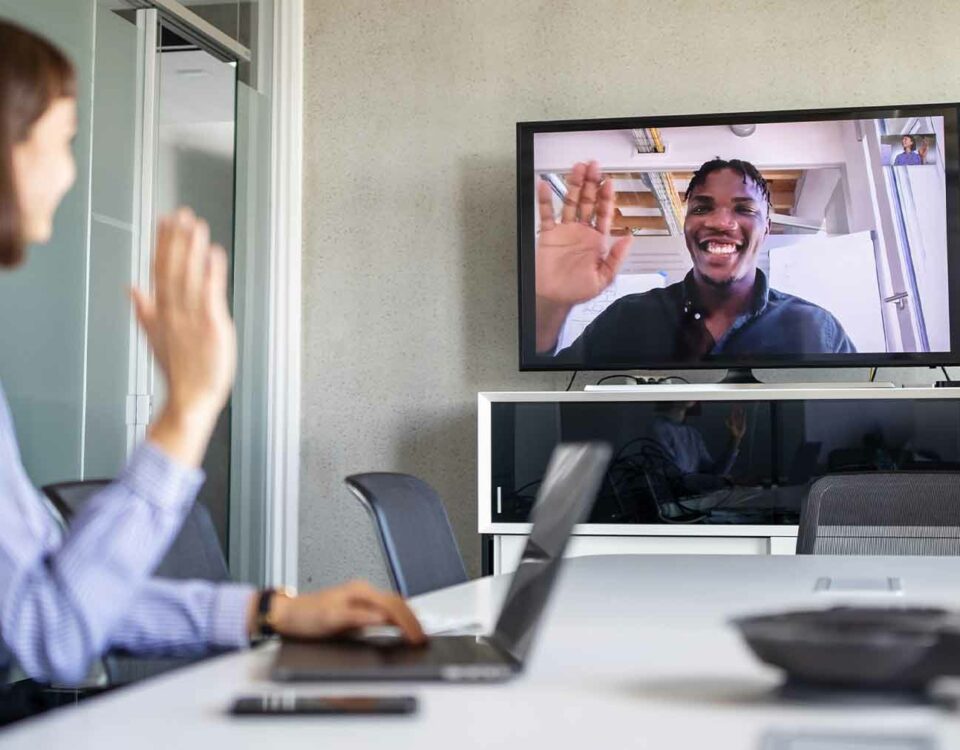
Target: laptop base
x,y
443,658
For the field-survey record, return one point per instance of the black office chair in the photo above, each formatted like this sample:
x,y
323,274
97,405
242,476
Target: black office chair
x,y
69,497
414,531
194,554
880,513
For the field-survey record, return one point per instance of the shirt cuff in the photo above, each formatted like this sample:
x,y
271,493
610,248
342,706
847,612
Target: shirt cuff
x,y
158,479
228,620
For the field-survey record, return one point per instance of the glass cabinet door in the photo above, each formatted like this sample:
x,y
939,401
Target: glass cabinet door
x,y
716,462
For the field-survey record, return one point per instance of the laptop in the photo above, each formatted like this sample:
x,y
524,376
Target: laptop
x,y
566,494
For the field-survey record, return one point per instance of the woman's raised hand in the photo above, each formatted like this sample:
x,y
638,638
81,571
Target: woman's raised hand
x,y
188,324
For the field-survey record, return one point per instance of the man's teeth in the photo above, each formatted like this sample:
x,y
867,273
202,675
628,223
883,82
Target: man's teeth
x,y
721,248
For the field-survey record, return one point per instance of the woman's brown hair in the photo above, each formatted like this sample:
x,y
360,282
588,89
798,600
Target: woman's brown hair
x,y
33,74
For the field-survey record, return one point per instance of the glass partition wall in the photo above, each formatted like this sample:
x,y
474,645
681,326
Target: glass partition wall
x,y
174,109
195,166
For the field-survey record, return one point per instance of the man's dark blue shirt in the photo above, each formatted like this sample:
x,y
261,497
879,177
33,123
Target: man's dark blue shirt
x,y
669,325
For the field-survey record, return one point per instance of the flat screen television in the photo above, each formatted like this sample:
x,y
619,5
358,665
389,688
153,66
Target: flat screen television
x,y
814,238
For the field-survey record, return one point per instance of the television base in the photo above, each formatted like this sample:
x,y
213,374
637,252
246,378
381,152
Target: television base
x,y
740,376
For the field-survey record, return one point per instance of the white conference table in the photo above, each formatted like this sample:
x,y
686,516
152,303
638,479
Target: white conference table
x,y
635,651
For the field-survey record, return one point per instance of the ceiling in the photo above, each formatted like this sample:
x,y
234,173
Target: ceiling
x,y
639,210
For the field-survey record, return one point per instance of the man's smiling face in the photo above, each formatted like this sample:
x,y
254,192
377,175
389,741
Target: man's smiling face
x,y
726,223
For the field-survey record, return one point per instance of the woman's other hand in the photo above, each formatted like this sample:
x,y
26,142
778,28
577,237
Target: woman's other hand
x,y
336,610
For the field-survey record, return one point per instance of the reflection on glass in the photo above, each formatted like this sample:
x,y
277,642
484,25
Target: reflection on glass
x,y
232,17
718,462
685,450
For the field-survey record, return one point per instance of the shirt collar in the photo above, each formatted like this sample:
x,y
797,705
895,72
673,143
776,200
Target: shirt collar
x,y
694,308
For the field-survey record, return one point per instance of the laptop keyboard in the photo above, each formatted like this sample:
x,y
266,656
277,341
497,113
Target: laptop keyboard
x,y
446,650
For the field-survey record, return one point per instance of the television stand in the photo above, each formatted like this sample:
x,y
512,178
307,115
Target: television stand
x,y
794,435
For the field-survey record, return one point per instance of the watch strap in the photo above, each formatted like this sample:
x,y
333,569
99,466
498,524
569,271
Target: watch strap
x,y
264,628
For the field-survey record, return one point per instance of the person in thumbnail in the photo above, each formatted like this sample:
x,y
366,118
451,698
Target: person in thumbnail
x,y
684,447
723,307
923,145
909,156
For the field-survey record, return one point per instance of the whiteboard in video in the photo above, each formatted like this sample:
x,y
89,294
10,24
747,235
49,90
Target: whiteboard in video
x,y
838,273
583,314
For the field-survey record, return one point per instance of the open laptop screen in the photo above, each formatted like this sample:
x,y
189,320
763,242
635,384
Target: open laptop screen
x,y
566,494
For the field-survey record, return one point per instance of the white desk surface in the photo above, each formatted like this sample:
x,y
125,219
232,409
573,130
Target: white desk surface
x,y
635,652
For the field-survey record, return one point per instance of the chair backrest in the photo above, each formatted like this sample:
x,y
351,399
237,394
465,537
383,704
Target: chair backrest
x,y
414,531
69,497
879,513
195,552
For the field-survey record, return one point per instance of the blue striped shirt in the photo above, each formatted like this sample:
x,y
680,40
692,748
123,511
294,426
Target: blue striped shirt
x,y
66,598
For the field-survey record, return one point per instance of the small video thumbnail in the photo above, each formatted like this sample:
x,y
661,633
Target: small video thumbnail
x,y
908,149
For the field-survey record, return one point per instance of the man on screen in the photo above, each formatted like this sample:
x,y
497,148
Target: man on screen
x,y
723,307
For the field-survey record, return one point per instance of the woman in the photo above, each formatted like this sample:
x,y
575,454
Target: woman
x,y
909,156
66,599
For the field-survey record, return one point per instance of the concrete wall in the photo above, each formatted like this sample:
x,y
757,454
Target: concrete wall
x,y
410,203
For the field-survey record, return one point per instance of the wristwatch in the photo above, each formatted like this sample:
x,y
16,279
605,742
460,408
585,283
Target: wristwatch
x,y
265,624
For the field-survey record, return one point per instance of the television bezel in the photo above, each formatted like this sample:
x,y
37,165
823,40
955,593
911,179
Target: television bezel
x,y
526,241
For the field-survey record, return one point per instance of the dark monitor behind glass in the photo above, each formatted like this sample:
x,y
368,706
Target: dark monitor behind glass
x,y
569,487
836,231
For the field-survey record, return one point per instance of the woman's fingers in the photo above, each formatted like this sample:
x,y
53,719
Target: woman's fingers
x,y
215,281
177,249
393,607
358,616
180,261
195,262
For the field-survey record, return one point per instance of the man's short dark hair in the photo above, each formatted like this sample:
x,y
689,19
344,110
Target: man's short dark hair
x,y
744,168
913,141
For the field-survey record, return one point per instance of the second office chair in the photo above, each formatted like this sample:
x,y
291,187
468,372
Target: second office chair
x,y
414,531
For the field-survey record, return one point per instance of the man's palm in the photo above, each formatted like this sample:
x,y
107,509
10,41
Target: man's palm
x,y
571,264
572,261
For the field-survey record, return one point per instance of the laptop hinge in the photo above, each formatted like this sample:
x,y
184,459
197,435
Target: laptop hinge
x,y
515,663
